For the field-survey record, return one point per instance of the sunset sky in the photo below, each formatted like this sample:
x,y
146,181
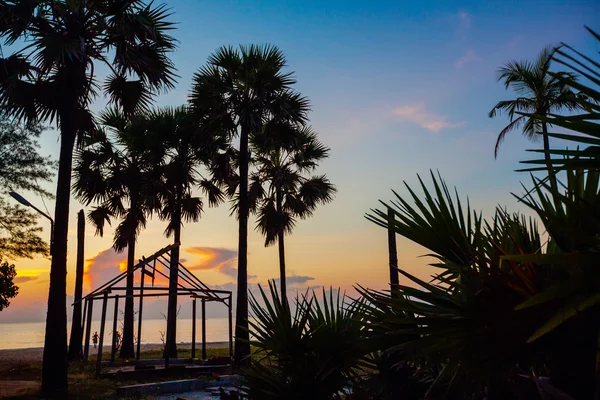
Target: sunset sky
x,y
397,88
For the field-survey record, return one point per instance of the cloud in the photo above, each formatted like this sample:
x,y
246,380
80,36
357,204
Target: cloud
x,y
28,275
469,57
418,114
218,258
296,280
464,21
23,279
106,265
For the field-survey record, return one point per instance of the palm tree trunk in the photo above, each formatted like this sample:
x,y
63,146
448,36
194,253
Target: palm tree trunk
x,y
393,257
75,341
171,340
54,365
280,242
547,157
242,345
127,345
282,277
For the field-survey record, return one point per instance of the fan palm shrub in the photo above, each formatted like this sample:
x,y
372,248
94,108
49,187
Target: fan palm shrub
x,y
310,350
464,328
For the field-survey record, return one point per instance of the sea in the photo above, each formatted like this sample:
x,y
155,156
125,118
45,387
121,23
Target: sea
x,y
31,334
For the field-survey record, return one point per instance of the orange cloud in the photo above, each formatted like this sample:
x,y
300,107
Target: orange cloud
x,y
104,266
217,258
27,275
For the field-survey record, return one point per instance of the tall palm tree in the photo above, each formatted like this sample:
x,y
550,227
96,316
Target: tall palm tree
x,y
279,192
236,92
184,147
119,174
52,78
540,93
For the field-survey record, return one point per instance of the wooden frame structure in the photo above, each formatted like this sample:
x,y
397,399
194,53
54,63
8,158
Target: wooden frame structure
x,y
188,285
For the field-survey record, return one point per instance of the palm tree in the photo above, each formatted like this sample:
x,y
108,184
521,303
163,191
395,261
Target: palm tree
x,y
52,78
236,92
183,148
280,193
119,176
540,93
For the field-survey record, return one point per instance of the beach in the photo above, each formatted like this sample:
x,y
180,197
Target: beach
x,y
13,357
20,369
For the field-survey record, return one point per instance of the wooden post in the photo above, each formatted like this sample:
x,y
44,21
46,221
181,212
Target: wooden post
x,y
102,324
204,329
86,346
393,255
230,329
113,349
139,332
83,320
76,331
194,328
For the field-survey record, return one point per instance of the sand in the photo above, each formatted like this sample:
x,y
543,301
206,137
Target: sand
x,y
20,369
12,357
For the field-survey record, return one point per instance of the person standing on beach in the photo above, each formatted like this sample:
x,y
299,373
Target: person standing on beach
x,y
95,339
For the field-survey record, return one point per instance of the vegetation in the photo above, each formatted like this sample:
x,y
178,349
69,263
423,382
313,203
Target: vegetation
x,y
510,314
117,171
8,289
279,193
513,312
235,93
181,147
52,78
21,168
540,93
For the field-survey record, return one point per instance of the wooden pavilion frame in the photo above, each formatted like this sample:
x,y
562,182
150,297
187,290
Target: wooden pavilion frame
x,y
188,285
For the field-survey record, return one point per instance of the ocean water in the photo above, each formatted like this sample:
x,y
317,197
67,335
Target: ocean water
x,y
27,335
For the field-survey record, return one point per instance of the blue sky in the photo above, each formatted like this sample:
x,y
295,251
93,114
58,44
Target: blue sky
x,y
397,88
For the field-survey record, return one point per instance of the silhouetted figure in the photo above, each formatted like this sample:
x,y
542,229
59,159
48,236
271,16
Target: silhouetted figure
x,y
95,339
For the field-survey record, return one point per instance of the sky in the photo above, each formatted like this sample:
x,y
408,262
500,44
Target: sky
x,y
397,89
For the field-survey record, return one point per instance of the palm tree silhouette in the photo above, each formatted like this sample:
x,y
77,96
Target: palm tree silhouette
x,y
236,92
280,194
119,175
540,93
183,147
52,78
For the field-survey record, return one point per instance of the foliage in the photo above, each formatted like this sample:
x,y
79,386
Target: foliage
x,y
118,173
181,147
116,170
8,289
52,77
21,168
62,40
540,92
464,324
309,351
278,191
584,126
19,233
234,94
